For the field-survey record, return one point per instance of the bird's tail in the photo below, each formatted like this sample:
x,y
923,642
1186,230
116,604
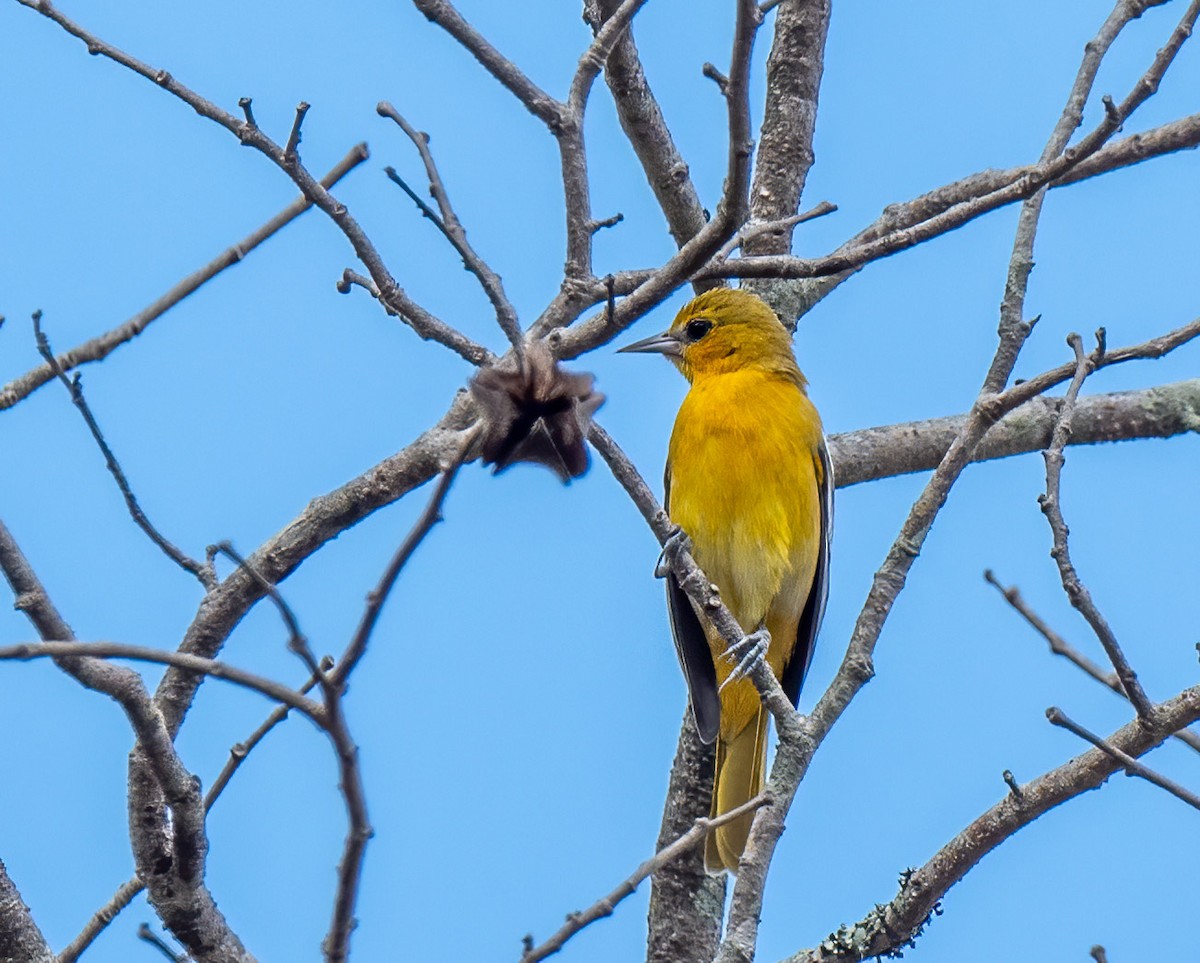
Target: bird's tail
x,y
741,771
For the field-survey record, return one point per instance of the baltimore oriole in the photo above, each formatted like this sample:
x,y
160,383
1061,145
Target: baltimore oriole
x,y
750,483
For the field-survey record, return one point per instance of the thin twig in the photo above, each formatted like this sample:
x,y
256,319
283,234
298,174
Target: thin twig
x,y
149,936
1076,591
100,347
101,919
425,324
290,155
428,518
536,101
1060,646
606,905
74,388
297,640
758,228
336,944
451,227
1132,766
169,854
71,649
891,926
240,751
126,892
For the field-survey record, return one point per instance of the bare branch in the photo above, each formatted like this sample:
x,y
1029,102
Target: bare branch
x,y
536,101
74,388
147,935
426,325
1031,180
337,942
71,649
648,134
1078,594
452,229
731,214
131,887
778,228
376,598
170,860
890,927
1182,134
1132,766
103,345
572,151
325,518
605,906
1060,646
889,450
1013,328
794,69
20,938
101,919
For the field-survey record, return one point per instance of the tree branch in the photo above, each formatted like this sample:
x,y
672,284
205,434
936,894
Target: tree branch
x,y
1076,591
452,229
1060,646
100,347
248,133
74,388
646,129
603,907
794,69
889,928
20,938
889,450
170,860
1131,765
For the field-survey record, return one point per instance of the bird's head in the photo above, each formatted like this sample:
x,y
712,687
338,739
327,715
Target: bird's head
x,y
724,330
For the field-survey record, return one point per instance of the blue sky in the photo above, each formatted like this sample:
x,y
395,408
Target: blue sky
x,y
518,708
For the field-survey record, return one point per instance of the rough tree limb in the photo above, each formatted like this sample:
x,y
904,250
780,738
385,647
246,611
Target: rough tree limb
x,y
906,913
20,938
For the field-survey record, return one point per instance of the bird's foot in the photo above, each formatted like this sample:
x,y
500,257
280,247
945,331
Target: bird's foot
x,y
751,650
677,542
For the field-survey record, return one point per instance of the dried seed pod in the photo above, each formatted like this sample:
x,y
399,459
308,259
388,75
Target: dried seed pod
x,y
535,411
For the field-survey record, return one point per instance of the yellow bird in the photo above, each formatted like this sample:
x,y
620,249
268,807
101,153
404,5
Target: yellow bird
x,y
749,482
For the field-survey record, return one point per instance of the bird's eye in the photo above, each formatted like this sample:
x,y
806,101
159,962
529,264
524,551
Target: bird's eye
x,y
697,328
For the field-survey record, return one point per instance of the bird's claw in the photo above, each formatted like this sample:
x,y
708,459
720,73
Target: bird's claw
x,y
677,542
746,654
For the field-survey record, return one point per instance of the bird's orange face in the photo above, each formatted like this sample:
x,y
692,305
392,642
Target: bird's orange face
x,y
720,331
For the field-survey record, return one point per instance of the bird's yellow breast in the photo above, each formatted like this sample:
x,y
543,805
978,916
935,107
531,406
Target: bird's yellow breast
x,y
744,467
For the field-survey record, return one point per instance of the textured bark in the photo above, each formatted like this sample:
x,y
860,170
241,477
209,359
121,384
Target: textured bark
x,y
685,902
882,452
644,125
20,939
889,927
785,153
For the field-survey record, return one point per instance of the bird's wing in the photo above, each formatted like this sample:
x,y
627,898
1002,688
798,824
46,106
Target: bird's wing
x,y
814,608
695,656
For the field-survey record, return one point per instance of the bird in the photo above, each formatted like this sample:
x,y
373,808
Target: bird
x,y
749,485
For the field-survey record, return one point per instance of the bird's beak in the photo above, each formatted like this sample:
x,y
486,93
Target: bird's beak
x,y
665,343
